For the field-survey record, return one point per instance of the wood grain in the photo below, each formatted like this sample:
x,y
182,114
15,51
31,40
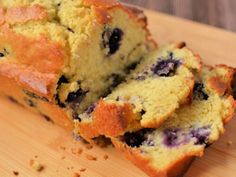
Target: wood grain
x,y
24,135
213,12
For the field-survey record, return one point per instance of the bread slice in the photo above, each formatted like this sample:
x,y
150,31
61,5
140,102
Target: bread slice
x,y
169,150
161,83
64,55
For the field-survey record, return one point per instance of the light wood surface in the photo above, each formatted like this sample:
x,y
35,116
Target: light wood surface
x,y
24,135
220,13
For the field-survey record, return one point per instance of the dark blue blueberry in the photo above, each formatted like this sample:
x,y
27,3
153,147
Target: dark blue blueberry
x,y
171,137
201,135
132,66
2,55
30,103
112,39
137,138
198,92
62,80
76,97
143,112
116,79
70,30
62,105
166,67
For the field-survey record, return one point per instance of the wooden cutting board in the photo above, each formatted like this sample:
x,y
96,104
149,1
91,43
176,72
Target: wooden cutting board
x,y
25,136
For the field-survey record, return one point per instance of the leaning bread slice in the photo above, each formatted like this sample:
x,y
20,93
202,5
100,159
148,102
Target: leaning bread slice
x,y
169,150
157,87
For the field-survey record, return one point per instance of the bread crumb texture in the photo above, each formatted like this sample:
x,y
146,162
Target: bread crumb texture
x,y
83,47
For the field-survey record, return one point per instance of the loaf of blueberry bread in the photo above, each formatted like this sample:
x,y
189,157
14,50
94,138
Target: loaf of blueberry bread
x,y
162,82
169,150
58,57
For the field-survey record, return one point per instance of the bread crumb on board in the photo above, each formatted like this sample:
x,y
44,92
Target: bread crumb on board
x,y
80,151
82,170
63,148
229,143
16,173
90,157
76,175
105,156
36,165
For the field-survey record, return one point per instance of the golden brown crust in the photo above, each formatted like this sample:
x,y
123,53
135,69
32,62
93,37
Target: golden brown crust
x,y
138,12
110,120
11,89
43,54
223,86
231,111
36,68
30,79
229,76
177,169
218,85
23,14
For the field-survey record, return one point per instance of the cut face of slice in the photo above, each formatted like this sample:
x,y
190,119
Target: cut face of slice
x,y
152,92
186,134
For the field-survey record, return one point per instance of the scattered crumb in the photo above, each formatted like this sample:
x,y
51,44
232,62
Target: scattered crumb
x,y
105,156
82,170
90,157
63,157
36,165
70,168
88,146
35,156
229,143
76,175
16,173
80,151
63,148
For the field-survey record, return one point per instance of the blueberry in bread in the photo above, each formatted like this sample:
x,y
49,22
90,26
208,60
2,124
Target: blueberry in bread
x,y
169,150
162,82
64,55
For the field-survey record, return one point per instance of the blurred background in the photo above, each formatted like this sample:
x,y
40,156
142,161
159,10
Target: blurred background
x,y
219,13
